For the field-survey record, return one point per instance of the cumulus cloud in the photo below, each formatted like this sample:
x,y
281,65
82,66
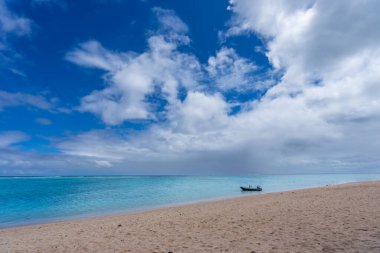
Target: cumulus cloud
x,y
192,117
230,71
321,115
131,77
329,53
161,71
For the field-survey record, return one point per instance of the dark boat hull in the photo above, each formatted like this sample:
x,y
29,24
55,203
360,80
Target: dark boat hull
x,y
258,189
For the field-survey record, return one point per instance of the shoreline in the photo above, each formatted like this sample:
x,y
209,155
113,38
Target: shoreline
x,y
174,205
79,218
339,218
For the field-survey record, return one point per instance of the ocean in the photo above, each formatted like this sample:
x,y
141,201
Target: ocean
x,y
32,200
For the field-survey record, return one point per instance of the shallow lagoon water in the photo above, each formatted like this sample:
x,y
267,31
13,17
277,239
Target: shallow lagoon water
x,y
29,200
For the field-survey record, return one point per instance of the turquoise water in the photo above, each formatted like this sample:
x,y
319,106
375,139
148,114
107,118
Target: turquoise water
x,y
28,200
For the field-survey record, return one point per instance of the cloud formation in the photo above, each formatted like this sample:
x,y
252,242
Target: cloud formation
x,y
329,53
230,71
161,71
131,77
321,115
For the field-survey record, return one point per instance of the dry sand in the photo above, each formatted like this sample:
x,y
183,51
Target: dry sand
x,y
343,218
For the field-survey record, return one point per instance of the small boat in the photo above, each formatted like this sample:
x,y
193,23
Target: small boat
x,y
251,189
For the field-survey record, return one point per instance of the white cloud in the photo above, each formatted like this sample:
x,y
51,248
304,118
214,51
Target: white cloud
x,y
92,55
131,77
18,72
11,23
134,77
329,53
16,162
335,45
9,138
199,112
162,69
9,99
103,164
170,21
323,115
230,71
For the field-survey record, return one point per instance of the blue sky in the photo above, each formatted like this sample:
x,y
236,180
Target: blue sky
x,y
188,87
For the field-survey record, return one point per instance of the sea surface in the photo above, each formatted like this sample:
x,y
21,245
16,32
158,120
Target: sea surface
x,y
31,200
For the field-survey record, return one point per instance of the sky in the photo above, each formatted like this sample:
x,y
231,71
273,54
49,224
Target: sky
x,y
240,87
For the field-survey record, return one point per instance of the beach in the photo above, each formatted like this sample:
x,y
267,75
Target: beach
x,y
342,218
